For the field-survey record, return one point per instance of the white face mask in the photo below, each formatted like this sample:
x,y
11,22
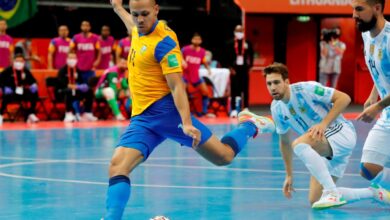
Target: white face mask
x,y
71,62
18,65
239,35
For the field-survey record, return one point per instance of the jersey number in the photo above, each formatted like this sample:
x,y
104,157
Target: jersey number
x,y
132,56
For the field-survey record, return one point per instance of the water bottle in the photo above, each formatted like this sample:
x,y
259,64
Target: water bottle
x,y
238,103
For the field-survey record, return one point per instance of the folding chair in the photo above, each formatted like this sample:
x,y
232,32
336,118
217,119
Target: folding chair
x,y
57,99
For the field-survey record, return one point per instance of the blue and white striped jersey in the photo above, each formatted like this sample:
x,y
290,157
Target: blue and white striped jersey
x,y
377,56
309,103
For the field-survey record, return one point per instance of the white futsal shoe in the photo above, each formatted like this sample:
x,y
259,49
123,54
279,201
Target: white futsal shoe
x,y
88,116
233,113
120,117
329,199
263,124
32,118
380,194
69,117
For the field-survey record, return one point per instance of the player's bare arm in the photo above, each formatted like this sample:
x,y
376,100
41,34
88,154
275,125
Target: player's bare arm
x,y
340,101
124,15
287,154
179,94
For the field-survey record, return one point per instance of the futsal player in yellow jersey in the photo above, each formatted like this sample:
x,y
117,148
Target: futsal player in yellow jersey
x,y
160,105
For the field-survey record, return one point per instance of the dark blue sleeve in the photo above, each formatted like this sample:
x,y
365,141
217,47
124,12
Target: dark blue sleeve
x,y
163,47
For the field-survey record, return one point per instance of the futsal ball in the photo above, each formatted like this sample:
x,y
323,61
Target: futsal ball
x,y
160,217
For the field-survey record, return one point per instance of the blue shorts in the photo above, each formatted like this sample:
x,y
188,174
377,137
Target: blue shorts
x,y
158,122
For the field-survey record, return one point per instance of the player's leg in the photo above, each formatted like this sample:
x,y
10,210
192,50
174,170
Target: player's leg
x,y
33,98
311,153
122,163
337,146
375,159
315,189
221,152
110,96
135,145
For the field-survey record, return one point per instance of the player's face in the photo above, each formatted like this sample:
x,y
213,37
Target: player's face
x,y
196,41
63,31
3,26
105,31
277,87
365,15
144,14
85,27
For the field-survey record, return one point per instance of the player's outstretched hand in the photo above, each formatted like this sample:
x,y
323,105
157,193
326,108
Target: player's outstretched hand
x,y
288,187
194,133
369,113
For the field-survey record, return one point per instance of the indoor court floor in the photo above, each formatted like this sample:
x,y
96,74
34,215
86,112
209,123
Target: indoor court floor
x,y
52,171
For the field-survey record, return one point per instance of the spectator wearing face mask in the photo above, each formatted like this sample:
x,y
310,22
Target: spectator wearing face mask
x,y
18,84
75,89
239,59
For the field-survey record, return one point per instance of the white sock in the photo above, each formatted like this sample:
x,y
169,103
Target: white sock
x,y
316,165
383,178
352,194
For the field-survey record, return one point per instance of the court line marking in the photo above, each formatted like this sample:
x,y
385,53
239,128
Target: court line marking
x,y
164,166
146,185
160,158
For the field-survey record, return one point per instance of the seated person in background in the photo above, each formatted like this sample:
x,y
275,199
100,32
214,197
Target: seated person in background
x,y
209,59
107,87
71,84
18,84
193,56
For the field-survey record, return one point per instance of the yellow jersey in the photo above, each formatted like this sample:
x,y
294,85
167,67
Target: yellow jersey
x,y
151,57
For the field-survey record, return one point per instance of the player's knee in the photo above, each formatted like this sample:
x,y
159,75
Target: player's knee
x,y
368,171
117,167
224,160
296,142
108,93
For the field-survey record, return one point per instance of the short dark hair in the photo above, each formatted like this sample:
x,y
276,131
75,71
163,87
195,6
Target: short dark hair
x,y
19,55
196,34
278,68
373,2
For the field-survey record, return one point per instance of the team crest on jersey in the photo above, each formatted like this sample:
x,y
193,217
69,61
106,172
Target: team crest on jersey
x,y
372,49
380,54
292,111
143,49
302,109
